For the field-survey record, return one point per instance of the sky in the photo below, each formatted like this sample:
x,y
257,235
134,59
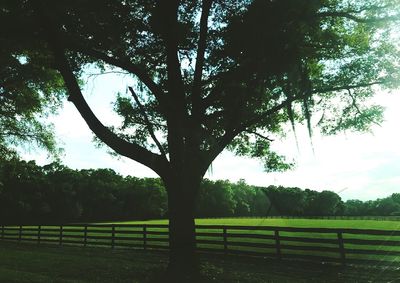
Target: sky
x,y
356,166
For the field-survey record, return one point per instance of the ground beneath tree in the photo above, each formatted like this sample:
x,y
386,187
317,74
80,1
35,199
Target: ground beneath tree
x,y
31,263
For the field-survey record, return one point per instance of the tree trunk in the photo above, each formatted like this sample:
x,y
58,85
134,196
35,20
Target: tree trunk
x,y
183,262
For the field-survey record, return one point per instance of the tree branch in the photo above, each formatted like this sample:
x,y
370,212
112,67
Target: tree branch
x,y
350,16
19,134
147,122
232,133
201,48
354,104
177,116
346,87
259,135
123,64
121,146
154,161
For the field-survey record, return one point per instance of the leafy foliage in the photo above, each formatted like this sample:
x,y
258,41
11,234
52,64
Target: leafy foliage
x,y
245,70
30,88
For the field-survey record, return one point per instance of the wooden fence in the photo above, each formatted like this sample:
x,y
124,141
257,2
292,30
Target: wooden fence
x,y
327,217
322,244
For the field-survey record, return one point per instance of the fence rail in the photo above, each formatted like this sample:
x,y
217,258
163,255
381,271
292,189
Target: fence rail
x,y
326,217
322,244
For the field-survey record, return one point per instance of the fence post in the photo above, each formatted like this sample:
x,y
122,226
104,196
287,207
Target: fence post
x,y
225,239
112,236
38,235
60,236
144,236
2,232
85,235
20,233
341,248
278,245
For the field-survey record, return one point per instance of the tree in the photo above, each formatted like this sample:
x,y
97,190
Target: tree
x,y
287,201
355,207
28,94
211,75
325,203
215,199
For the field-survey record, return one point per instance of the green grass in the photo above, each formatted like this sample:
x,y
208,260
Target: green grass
x,y
306,223
301,223
30,263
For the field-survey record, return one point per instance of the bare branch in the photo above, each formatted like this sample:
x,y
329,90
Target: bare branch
x,y
147,122
260,135
125,64
201,48
349,15
346,87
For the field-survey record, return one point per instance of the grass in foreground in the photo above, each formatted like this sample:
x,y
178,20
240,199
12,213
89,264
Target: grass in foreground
x,y
29,263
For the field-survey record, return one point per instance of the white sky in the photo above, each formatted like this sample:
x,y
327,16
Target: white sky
x,y
357,166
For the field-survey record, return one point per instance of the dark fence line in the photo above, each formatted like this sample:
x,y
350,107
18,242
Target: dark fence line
x,y
342,246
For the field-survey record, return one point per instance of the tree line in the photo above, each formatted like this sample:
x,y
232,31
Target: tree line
x,y
54,193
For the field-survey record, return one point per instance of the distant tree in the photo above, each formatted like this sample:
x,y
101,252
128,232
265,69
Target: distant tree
x,y
261,203
325,203
355,207
216,199
146,198
287,201
243,196
396,197
386,206
211,75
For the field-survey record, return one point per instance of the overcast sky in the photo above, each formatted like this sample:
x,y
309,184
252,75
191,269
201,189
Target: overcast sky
x,y
357,166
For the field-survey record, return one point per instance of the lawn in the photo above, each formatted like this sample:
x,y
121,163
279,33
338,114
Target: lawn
x,y
306,223
31,263
388,254
316,246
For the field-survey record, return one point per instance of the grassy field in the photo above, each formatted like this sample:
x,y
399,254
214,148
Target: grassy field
x,y
24,263
388,254
306,223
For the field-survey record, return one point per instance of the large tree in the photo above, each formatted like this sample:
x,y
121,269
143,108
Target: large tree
x,y
210,75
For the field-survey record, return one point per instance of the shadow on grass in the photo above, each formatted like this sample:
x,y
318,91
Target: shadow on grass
x,y
31,263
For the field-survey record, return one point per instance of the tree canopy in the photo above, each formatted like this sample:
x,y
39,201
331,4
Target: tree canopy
x,y
228,73
210,75
28,94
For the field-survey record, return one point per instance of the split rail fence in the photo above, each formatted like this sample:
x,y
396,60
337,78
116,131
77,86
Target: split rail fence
x,y
341,246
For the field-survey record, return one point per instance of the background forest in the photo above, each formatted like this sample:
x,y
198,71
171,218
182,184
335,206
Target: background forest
x,y
54,193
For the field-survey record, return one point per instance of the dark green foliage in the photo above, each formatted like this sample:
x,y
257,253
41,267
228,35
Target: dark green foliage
x,y
56,194
262,64
30,90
